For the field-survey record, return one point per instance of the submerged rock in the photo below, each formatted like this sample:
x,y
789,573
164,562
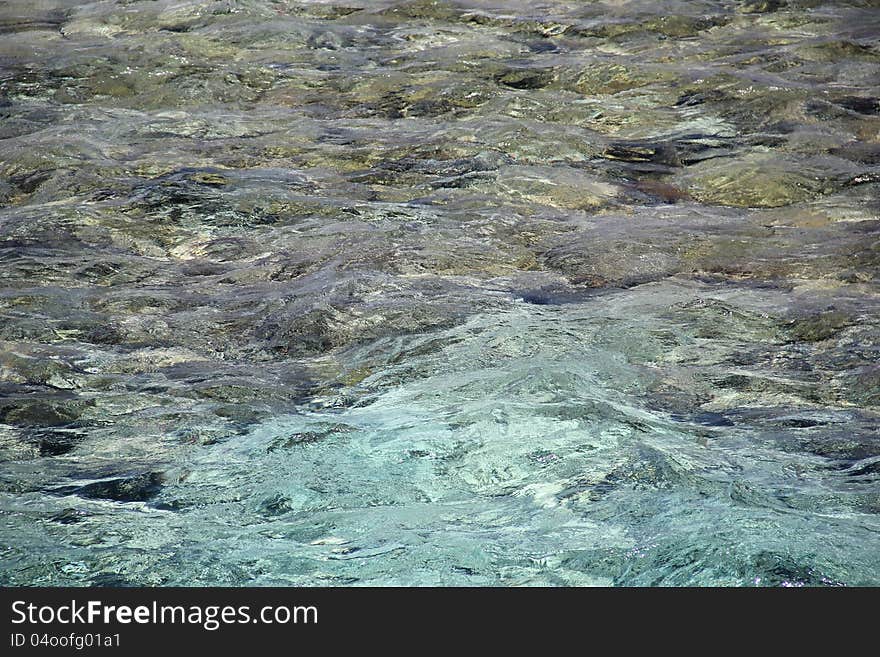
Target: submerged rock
x,y
759,181
439,293
138,488
562,187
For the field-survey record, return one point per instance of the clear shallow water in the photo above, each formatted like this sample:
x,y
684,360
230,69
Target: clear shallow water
x,y
439,293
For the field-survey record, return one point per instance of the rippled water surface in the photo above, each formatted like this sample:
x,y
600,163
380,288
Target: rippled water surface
x,y
439,292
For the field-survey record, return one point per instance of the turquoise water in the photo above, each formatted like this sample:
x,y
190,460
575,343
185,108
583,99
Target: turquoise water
x,y
439,293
